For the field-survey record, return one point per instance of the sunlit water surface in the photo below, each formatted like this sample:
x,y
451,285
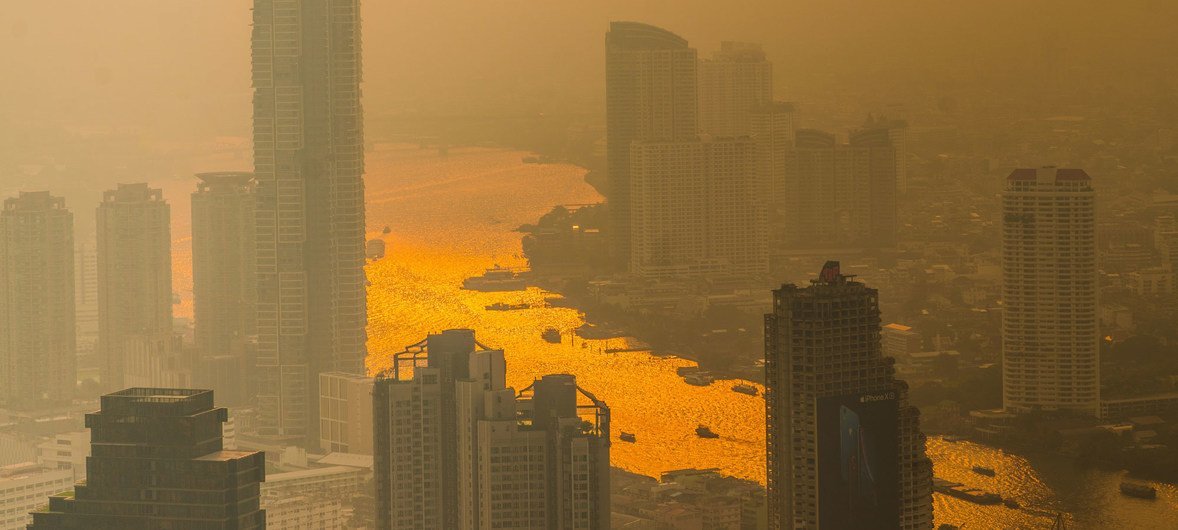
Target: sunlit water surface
x,y
452,217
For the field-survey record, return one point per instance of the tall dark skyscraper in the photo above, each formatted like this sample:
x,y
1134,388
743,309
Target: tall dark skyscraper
x,y
844,447
37,335
309,166
134,273
650,96
223,270
454,447
157,462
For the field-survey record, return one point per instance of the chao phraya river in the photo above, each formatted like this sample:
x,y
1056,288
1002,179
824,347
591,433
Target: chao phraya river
x,y
453,217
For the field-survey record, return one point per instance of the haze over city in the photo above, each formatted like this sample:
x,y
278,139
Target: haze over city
x,y
642,264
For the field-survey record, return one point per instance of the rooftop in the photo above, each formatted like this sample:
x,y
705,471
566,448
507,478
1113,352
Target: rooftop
x,y
225,456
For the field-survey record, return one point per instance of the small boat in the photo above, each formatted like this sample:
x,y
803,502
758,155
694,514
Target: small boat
x,y
947,526
386,230
500,306
704,432
495,279
983,470
628,437
551,335
699,379
1011,503
374,249
745,389
1139,490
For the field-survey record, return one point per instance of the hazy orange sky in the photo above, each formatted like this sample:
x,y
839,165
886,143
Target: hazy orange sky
x,y
180,68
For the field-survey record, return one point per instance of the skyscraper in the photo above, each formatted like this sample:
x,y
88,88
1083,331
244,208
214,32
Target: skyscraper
x,y
696,209
736,80
37,334
772,128
454,447
223,261
897,133
157,462
309,166
844,447
134,273
651,96
86,305
1050,333
839,195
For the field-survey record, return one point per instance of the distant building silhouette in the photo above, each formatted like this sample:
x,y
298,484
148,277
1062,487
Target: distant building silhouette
x,y
844,447
682,204
456,448
157,462
732,83
839,195
134,273
37,335
223,262
309,166
773,129
1050,288
897,133
696,209
86,304
651,96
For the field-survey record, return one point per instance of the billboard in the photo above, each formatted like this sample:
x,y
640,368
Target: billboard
x,y
858,461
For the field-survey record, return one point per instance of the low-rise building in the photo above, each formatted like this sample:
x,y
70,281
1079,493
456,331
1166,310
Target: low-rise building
x,y
24,487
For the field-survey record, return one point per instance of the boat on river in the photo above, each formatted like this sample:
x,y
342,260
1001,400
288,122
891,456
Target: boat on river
x,y
704,432
495,279
983,470
699,378
628,437
500,306
745,388
374,249
551,335
1139,490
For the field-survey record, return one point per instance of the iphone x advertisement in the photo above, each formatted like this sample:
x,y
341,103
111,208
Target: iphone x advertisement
x,y
858,461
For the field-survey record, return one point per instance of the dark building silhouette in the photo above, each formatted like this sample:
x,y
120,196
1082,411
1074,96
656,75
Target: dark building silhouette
x,y
454,447
223,267
134,274
735,81
650,96
37,337
844,447
157,463
309,166
839,195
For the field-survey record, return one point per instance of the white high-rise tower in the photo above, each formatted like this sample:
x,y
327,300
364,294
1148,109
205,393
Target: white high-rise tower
x,y
1050,333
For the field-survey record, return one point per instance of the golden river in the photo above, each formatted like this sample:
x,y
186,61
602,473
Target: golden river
x,y
452,217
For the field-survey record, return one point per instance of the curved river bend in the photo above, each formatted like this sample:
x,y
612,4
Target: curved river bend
x,y
453,217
